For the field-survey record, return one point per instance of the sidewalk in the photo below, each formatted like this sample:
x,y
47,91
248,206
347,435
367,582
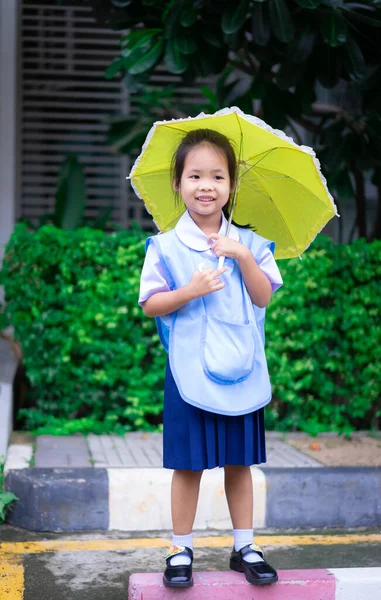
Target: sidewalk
x,y
72,483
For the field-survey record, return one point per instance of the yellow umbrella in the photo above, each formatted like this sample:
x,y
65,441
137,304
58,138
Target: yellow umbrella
x,y
280,188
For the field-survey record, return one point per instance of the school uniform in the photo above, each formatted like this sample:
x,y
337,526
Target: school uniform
x,y
206,432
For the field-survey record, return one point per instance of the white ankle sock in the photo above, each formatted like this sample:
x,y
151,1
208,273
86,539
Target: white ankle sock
x,y
182,540
243,537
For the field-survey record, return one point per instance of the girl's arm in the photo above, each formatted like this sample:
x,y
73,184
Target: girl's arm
x,y
201,284
257,283
164,303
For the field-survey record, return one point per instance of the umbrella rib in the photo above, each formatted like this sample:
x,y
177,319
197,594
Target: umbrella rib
x,y
265,154
172,127
259,160
235,194
251,187
152,172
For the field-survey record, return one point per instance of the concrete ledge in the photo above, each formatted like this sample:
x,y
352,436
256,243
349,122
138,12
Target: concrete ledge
x,y
144,495
319,584
19,456
59,499
328,497
8,367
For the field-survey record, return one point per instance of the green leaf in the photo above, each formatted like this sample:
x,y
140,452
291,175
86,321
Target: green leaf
x,y
213,39
260,88
114,68
188,16
102,219
6,499
304,45
148,60
138,34
186,44
371,78
208,93
308,3
137,45
175,61
234,16
71,194
372,21
172,20
260,27
354,60
281,20
333,28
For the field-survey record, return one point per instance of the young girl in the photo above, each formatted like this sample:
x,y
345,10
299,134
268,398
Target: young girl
x,y
211,321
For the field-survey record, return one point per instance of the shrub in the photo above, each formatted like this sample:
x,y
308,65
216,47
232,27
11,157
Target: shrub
x,y
89,352
324,339
95,363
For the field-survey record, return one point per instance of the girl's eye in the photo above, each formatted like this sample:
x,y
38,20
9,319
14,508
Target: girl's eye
x,y
194,176
219,177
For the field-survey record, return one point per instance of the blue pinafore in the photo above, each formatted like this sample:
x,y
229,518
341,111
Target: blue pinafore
x,y
217,381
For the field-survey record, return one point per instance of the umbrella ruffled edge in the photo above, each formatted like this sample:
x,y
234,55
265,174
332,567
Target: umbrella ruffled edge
x,y
251,119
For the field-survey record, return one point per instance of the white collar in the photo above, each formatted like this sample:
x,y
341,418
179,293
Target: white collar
x,y
192,236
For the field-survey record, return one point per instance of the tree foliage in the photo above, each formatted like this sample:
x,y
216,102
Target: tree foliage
x,y
310,65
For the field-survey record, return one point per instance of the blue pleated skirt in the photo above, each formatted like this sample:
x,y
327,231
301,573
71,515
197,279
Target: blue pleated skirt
x,y
195,439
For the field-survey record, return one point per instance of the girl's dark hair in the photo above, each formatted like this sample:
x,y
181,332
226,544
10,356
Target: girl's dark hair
x,y
221,143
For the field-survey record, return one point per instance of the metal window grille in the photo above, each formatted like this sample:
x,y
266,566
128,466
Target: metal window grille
x,y
65,104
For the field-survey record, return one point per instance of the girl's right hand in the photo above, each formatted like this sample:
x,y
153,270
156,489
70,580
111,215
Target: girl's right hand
x,y
205,282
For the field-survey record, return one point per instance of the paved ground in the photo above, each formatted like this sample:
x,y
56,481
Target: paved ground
x,y
96,566
333,451
140,449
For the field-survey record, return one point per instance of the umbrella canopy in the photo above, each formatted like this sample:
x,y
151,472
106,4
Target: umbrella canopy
x,y
280,189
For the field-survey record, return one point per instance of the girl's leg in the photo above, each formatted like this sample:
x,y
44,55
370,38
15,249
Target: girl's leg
x,y
239,494
184,497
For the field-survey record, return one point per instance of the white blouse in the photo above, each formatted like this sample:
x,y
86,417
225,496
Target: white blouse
x,y
153,279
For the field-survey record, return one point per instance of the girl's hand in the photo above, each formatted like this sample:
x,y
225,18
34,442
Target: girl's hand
x,y
223,246
205,282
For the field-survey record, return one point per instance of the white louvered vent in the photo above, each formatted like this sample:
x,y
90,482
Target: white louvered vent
x,y
65,103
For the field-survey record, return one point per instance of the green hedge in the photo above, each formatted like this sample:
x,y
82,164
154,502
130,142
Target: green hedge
x,y
89,352
324,339
95,363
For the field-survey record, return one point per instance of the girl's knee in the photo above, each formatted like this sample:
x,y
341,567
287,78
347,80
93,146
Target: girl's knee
x,y
188,474
236,470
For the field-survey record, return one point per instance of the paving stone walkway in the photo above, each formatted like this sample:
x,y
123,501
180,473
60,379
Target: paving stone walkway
x,y
138,450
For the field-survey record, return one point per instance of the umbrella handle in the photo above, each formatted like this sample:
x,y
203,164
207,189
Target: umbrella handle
x,y
221,261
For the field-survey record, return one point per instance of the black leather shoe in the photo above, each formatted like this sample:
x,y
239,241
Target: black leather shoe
x,y
178,575
258,573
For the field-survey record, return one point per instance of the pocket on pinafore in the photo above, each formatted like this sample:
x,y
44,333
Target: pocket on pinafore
x,y
227,350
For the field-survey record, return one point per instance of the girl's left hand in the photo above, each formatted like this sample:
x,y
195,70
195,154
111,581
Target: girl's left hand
x,y
223,246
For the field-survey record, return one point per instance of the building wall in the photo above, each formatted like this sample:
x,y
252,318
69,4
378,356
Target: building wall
x,y
8,117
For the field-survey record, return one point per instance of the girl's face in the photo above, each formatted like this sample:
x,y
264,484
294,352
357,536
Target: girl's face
x,y
205,181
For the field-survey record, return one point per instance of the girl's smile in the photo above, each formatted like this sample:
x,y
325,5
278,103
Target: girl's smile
x,y
205,183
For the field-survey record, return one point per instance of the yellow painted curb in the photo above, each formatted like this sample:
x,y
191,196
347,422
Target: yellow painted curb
x,y
11,577
201,542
